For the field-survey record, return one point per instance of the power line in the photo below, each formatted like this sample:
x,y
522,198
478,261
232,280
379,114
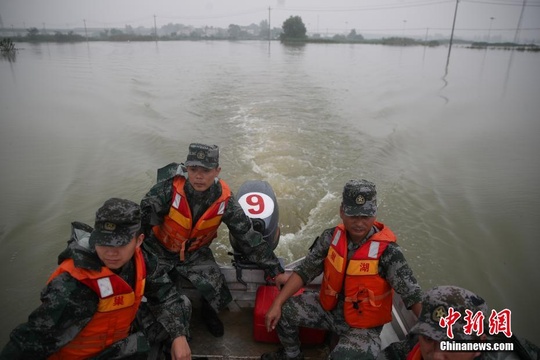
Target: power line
x,y
146,18
261,10
368,8
442,29
504,3
248,12
381,7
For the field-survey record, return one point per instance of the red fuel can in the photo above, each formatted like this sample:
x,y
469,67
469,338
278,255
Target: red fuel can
x,y
263,299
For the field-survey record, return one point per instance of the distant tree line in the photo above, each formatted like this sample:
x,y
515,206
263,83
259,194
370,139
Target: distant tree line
x,y
505,46
292,30
166,32
33,35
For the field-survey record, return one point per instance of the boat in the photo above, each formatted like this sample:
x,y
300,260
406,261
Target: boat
x,y
244,279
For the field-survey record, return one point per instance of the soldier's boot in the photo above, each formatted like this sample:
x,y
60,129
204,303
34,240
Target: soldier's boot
x,y
281,355
211,319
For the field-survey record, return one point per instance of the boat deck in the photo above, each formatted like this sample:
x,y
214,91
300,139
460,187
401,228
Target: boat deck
x,y
238,341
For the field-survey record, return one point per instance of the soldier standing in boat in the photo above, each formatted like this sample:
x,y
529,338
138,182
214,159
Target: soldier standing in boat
x,y
362,265
182,213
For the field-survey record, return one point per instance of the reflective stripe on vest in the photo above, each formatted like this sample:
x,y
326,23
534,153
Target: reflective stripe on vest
x,y
368,297
177,231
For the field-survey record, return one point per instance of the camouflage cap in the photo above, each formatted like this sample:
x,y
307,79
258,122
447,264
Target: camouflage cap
x,y
117,222
359,198
203,155
435,305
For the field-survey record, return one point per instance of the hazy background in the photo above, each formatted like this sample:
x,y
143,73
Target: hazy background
x,y
454,153
368,17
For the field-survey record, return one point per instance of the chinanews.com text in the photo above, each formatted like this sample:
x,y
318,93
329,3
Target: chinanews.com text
x,y
476,346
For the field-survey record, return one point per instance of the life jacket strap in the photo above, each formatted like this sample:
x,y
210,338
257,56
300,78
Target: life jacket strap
x,y
196,243
329,290
182,251
370,297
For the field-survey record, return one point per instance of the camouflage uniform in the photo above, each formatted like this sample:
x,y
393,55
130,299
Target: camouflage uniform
x,y
67,306
306,310
435,304
200,266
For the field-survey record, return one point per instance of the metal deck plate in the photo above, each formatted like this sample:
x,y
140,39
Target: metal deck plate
x,y
237,343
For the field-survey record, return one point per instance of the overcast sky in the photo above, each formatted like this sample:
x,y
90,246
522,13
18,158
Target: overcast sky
x,y
407,17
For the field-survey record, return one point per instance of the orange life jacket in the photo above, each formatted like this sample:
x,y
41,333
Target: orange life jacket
x,y
415,353
117,307
177,227
368,297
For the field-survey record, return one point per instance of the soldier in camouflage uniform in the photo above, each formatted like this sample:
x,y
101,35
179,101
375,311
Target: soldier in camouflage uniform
x,y
191,191
423,340
358,213
99,265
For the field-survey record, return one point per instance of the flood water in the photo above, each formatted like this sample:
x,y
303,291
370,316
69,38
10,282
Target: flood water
x,y
453,151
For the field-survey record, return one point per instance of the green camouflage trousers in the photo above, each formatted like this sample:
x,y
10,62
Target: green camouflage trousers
x,y
306,310
133,347
199,267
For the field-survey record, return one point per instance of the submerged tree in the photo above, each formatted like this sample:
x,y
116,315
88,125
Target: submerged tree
x,y
8,49
7,45
293,28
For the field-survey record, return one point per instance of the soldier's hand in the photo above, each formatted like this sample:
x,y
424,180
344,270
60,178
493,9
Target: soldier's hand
x,y
272,317
180,349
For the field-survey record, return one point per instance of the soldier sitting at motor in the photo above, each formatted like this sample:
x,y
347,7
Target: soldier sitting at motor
x,y
182,213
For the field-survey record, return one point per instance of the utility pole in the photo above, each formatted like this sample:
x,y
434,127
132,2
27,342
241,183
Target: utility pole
x,y
516,39
155,28
269,26
518,30
489,32
403,35
425,44
452,36
85,32
404,23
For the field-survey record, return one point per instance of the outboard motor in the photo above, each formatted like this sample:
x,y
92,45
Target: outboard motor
x,y
257,199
